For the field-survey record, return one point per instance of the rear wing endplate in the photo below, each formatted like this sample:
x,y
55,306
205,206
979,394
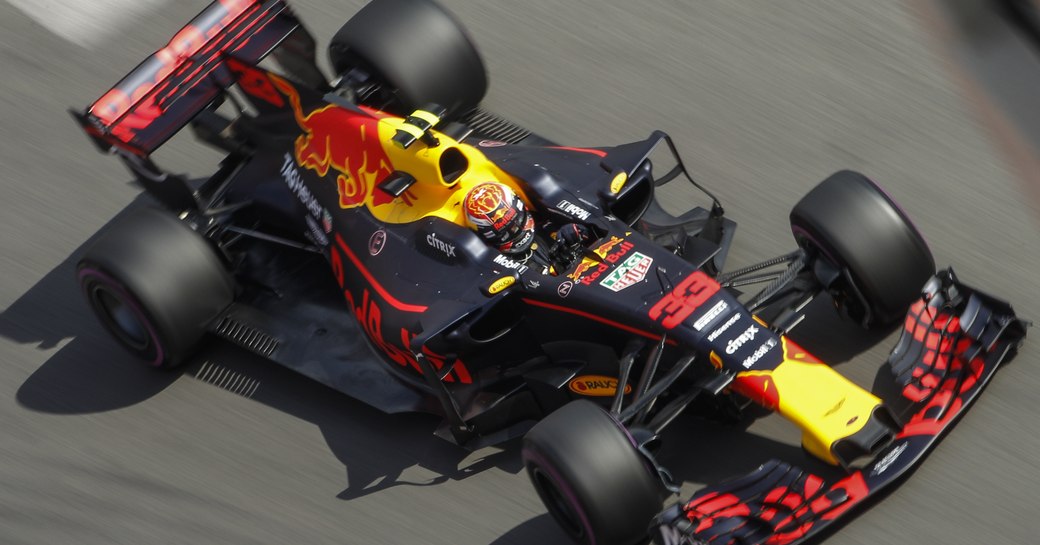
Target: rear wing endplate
x,y
159,97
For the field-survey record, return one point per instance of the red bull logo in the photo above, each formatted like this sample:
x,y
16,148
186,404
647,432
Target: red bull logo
x,y
343,141
502,217
603,251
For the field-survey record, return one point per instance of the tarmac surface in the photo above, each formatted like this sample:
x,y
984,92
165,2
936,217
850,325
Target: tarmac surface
x,y
934,100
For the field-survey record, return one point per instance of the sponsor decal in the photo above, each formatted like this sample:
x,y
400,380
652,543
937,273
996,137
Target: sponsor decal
x,y
534,284
500,217
315,232
490,144
747,336
691,293
376,242
596,385
345,143
890,458
604,251
502,283
630,272
581,269
440,245
370,317
722,329
524,241
618,182
710,316
294,180
564,289
574,210
508,263
758,353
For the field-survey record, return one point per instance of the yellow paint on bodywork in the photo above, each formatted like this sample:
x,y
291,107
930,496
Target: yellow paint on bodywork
x,y
502,283
342,144
823,403
618,182
427,117
410,129
431,195
826,405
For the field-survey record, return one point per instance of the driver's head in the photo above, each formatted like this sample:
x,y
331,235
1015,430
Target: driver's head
x,y
498,215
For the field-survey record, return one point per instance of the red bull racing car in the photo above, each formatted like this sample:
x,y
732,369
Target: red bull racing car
x,y
337,238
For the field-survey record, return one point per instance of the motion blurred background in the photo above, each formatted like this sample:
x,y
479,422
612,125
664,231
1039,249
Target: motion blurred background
x,y
937,100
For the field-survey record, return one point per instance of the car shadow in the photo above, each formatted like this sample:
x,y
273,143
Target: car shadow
x,y
90,373
378,450
541,529
832,338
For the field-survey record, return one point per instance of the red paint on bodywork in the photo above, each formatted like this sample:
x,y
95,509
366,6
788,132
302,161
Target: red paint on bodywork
x,y
345,142
691,293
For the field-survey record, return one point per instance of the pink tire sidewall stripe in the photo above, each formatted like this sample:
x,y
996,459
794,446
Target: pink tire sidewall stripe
x,y
561,485
115,286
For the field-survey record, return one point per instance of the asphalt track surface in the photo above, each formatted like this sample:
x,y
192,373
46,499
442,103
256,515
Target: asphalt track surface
x,y
764,98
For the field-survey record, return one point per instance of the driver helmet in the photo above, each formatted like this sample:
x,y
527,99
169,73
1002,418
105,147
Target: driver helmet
x,y
499,216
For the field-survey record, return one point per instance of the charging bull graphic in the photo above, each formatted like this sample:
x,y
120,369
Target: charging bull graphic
x,y
344,141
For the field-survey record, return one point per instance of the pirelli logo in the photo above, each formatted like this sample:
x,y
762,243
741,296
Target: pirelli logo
x,y
709,317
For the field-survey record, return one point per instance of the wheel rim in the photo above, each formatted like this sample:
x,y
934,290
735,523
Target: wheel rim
x,y
558,505
123,318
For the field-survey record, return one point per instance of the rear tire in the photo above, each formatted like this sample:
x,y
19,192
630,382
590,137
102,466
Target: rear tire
x,y
860,233
155,284
590,476
416,49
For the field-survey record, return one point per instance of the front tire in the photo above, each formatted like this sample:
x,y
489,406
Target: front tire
x,y
590,476
878,258
155,284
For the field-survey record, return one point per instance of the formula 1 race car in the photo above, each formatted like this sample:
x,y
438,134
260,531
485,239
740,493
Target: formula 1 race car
x,y
336,238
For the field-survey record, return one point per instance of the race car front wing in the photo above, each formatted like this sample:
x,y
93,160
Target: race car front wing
x,y
953,340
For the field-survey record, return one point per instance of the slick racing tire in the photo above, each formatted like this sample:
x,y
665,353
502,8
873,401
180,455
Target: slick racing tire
x,y
591,478
1025,14
416,49
155,284
868,253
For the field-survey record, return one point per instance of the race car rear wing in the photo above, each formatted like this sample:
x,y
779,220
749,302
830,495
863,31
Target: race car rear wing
x,y
166,91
